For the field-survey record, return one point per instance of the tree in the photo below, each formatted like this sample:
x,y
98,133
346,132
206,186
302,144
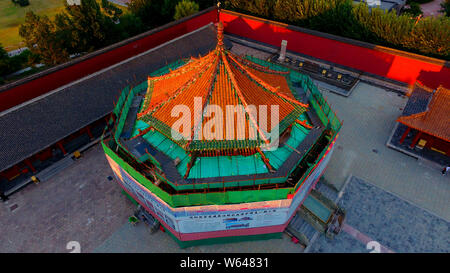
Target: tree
x,y
111,10
414,9
206,3
80,28
185,8
3,53
39,34
22,3
85,26
153,12
446,7
130,25
4,62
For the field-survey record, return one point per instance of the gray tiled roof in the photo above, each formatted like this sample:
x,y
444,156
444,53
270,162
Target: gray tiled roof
x,y
41,123
417,102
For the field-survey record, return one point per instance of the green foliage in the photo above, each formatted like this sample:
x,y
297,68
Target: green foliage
x,y
185,8
40,36
262,8
385,28
429,36
153,12
111,10
4,62
414,9
80,28
203,4
446,7
336,18
130,25
141,8
85,26
10,65
22,3
3,53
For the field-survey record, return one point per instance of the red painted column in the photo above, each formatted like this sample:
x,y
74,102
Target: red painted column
x,y
61,147
405,134
430,142
88,129
416,138
30,165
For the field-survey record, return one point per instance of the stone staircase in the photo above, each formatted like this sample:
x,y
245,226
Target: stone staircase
x,y
303,225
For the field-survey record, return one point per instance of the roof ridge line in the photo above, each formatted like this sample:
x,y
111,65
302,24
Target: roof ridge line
x,y
211,87
189,66
239,93
203,68
250,64
267,86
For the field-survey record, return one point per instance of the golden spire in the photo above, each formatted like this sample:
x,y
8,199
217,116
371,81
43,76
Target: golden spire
x,y
220,34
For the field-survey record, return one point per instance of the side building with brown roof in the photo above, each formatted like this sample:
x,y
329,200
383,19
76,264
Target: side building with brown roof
x,y
427,120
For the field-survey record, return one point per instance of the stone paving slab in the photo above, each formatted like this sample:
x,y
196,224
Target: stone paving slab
x,y
387,219
432,9
78,204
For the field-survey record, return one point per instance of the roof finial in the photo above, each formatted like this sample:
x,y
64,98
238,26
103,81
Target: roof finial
x,y
220,34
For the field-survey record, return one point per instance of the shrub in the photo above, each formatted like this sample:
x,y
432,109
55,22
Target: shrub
x,y
22,3
185,8
445,7
414,9
10,65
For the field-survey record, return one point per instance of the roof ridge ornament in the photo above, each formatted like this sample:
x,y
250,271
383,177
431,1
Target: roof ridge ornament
x,y
220,35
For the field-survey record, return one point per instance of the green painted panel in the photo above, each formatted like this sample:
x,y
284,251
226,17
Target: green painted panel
x,y
139,125
246,165
195,171
166,146
226,166
177,151
260,167
182,166
273,159
155,138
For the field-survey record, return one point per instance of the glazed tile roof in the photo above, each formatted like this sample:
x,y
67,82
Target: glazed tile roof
x,y
81,103
222,79
435,119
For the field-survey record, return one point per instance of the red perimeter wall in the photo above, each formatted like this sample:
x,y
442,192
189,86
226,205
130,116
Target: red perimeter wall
x,y
46,83
396,65
393,64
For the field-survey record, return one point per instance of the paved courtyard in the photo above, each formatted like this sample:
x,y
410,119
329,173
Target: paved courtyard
x,y
432,9
388,220
369,115
79,204
82,205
